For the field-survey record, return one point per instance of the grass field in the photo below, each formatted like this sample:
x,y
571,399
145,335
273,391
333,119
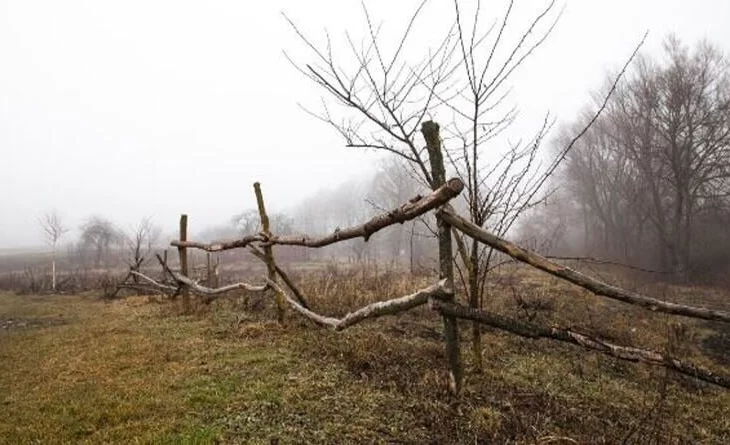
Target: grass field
x,y
74,369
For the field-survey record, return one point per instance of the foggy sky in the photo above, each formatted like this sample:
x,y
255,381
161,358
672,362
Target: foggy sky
x,y
154,108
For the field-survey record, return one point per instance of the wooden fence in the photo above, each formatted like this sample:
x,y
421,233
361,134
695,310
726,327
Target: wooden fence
x,y
440,295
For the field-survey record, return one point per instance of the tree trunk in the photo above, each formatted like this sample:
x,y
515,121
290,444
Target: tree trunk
x,y
430,131
476,337
410,247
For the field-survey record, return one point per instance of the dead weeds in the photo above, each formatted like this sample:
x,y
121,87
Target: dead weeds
x,y
132,371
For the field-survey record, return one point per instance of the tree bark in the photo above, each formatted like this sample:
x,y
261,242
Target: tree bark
x,y
430,131
476,337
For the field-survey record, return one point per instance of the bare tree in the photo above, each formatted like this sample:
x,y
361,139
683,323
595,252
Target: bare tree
x,y
247,222
386,96
53,230
659,160
139,242
99,234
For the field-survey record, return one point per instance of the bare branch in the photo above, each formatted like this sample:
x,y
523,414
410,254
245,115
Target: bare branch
x,y
569,336
153,282
575,277
406,212
195,287
374,310
217,246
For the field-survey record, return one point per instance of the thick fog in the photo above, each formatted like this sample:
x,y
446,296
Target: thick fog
x,y
155,108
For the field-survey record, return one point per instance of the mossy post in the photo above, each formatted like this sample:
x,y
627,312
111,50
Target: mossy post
x,y
184,261
430,131
269,251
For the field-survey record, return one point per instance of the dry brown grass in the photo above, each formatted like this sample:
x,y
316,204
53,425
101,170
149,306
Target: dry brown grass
x,y
135,371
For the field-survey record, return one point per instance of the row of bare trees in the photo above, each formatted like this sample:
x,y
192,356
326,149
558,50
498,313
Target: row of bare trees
x,y
649,183
100,244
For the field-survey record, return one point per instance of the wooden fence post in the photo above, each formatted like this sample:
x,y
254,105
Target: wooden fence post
x,y
269,251
164,274
184,261
208,270
430,131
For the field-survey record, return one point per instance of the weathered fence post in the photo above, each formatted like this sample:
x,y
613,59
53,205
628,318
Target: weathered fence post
x,y
164,260
430,131
213,263
184,261
269,251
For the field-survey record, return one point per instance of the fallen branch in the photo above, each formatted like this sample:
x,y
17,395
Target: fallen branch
x,y
154,282
211,293
566,335
195,287
374,310
596,286
408,211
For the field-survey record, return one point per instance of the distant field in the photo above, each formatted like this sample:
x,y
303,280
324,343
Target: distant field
x,y
23,250
74,369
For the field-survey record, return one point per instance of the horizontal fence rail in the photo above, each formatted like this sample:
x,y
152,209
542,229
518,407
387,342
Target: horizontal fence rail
x,y
440,295
566,273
